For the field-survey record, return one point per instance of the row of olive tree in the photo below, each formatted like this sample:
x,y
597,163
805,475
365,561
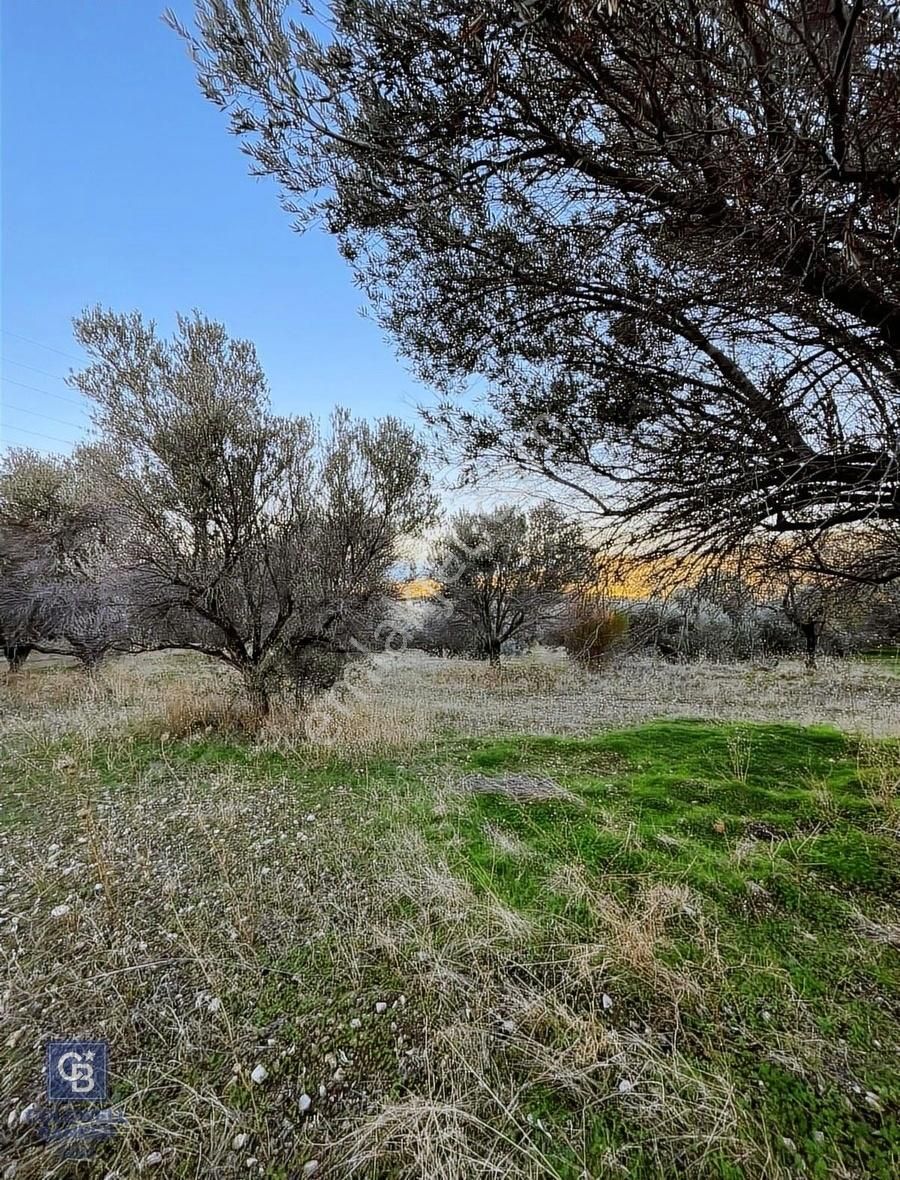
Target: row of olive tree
x,y
214,524
507,578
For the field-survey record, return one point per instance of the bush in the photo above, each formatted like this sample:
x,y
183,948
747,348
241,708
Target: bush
x,y
593,634
688,627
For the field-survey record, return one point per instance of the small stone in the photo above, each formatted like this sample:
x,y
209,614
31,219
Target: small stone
x,y
789,1144
338,1075
240,1141
60,911
12,1118
152,1160
818,1136
310,1167
214,1005
27,1115
508,1026
356,1022
322,1091
259,1075
872,1100
625,1086
606,1002
251,1161
381,1006
304,1103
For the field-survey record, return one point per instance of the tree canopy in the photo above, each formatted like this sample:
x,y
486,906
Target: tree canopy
x,y
665,232
505,573
258,539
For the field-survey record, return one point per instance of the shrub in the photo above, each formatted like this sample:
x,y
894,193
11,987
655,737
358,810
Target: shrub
x,y
593,634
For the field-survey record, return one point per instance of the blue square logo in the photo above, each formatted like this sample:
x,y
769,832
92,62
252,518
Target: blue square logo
x,y
76,1071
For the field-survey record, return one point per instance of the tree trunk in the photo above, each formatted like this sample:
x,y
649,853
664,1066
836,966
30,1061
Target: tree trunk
x,y
810,633
260,700
493,652
16,655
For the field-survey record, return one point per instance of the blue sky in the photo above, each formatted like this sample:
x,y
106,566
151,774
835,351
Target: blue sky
x,y
121,185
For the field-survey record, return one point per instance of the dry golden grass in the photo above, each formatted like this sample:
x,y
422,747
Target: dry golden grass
x,y
395,701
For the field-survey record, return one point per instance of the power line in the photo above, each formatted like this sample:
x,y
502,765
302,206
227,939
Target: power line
x,y
46,392
38,434
37,344
8,360
47,417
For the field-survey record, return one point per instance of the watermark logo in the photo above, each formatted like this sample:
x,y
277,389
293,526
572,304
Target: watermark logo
x,y
76,1071
76,1131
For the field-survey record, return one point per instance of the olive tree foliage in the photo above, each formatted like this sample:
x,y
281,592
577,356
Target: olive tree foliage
x,y
258,539
665,231
59,536
504,574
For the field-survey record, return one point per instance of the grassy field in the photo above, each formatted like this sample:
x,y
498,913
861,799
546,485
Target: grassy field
x,y
468,926
888,658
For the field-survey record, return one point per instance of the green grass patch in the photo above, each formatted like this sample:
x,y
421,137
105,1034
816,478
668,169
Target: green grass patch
x,y
770,830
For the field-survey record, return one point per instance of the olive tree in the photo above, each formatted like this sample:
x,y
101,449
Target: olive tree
x,y
259,539
666,232
58,539
505,573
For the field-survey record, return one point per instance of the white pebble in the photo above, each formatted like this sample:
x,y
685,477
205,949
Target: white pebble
x,y
625,1086
381,1006
356,1022
151,1160
27,1115
304,1103
606,1001
259,1075
310,1168
60,911
241,1140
